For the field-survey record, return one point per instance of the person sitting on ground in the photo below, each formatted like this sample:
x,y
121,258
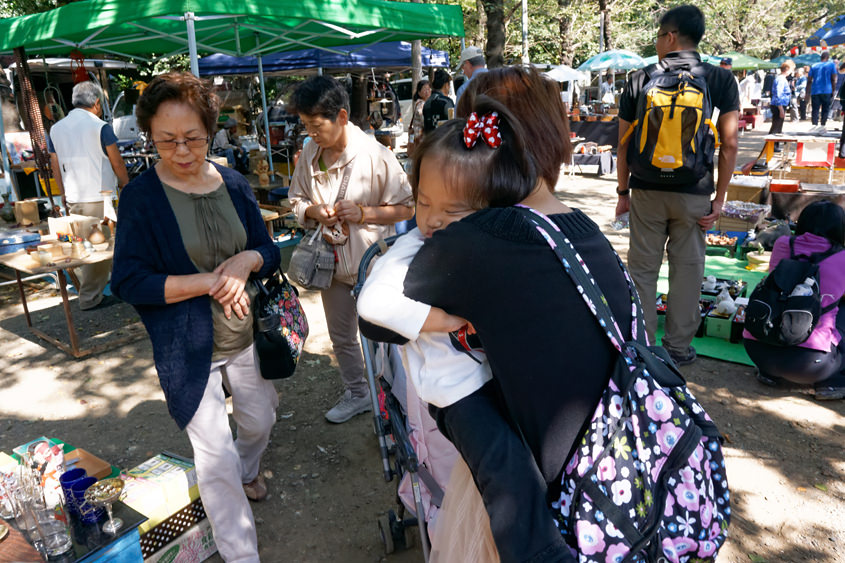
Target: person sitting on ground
x,y
436,108
226,144
819,360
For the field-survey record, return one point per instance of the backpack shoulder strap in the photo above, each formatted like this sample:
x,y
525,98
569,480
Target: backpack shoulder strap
x,y
586,285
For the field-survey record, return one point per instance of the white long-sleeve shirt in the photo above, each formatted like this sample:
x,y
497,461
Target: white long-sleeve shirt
x,y
441,374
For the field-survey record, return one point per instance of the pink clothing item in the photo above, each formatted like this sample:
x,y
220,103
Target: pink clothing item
x,y
831,284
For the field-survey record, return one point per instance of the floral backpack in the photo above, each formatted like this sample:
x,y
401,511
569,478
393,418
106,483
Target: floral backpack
x,y
647,480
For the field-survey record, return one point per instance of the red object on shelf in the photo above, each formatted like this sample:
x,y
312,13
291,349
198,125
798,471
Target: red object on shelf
x,y
784,186
826,163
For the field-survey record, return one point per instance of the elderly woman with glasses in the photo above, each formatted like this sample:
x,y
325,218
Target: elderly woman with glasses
x,y
190,235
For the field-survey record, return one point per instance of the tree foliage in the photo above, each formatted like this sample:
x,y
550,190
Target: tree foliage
x,y
568,31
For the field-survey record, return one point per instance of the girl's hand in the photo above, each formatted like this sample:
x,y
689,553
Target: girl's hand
x,y
322,213
348,211
439,320
233,273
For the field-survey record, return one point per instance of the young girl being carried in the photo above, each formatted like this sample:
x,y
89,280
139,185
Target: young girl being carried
x,y
458,169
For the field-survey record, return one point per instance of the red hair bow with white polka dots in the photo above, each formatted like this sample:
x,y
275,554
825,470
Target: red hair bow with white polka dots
x,y
486,127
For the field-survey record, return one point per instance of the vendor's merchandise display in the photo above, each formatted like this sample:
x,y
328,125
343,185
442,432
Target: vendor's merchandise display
x,y
98,521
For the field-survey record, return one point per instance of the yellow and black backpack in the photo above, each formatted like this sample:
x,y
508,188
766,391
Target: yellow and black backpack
x,y
672,138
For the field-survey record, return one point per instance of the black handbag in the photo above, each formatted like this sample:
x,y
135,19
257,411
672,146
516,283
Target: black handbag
x,y
280,326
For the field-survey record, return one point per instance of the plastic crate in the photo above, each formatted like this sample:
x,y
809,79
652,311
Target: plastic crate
x,y
172,528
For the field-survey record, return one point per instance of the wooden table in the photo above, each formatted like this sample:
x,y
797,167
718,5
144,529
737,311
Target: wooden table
x,y
21,262
15,548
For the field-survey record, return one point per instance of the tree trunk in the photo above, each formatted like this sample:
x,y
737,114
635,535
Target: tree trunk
x,y
482,23
604,14
564,27
495,48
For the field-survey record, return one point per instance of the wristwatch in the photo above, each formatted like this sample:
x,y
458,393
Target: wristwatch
x,y
626,191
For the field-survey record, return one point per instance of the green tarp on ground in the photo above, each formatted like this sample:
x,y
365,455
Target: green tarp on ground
x,y
723,268
235,27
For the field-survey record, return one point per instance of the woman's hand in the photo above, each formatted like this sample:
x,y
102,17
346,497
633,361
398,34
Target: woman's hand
x,y
232,276
349,211
240,307
322,213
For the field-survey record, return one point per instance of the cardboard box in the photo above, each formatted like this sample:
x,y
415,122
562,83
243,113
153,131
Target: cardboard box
x,y
194,545
160,487
93,466
731,224
26,212
72,224
718,327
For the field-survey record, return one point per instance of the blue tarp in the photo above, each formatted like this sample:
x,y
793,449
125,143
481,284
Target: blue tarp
x,y
396,54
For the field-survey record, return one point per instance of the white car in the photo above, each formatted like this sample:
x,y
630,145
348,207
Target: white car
x,y
402,87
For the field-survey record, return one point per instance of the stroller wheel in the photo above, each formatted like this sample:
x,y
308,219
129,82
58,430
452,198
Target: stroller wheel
x,y
384,529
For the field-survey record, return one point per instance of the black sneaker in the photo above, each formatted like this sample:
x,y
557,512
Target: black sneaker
x,y
766,379
683,359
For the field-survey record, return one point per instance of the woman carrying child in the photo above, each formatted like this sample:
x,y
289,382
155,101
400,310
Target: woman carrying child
x,y
550,361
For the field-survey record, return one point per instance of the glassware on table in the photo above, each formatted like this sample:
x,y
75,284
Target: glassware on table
x,y
104,493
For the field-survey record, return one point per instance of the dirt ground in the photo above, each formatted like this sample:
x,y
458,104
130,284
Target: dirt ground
x,y
785,457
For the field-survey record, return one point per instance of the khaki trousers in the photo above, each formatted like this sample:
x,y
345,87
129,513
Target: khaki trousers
x,y
669,220
342,322
94,278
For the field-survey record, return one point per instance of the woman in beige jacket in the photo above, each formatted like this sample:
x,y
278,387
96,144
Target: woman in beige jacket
x,y
378,195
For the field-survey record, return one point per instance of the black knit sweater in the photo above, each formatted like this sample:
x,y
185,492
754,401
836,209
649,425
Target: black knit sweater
x,y
545,348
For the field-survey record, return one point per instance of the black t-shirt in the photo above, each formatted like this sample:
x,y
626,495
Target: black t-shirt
x,y
435,109
724,94
546,350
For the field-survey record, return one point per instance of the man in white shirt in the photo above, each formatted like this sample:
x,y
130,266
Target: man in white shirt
x,y
86,164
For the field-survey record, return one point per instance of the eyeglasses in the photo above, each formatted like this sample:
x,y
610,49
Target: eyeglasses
x,y
191,143
659,35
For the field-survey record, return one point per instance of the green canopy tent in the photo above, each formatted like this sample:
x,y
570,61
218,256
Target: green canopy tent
x,y
739,61
139,29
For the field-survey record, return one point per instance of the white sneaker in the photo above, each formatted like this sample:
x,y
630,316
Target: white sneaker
x,y
348,407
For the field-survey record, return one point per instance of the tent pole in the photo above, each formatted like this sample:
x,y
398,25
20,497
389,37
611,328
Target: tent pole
x,y
266,117
192,43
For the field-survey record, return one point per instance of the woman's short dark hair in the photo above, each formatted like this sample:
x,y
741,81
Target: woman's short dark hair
x,y
181,87
536,101
320,95
420,86
825,219
688,20
485,176
441,78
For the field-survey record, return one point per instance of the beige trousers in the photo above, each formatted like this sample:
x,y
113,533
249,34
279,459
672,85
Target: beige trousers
x,y
342,322
668,220
223,464
94,278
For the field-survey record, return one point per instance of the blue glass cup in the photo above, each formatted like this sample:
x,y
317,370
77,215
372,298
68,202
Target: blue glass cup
x,y
66,480
87,512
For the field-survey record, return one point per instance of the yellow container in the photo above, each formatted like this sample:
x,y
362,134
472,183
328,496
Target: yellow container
x,y
54,188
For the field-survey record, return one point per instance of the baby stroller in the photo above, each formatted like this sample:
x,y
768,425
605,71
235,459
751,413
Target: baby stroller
x,y
412,450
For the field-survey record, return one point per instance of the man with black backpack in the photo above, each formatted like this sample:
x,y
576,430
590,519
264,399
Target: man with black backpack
x,y
667,141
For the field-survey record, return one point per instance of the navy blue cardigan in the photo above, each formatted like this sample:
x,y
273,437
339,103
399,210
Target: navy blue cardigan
x,y
148,248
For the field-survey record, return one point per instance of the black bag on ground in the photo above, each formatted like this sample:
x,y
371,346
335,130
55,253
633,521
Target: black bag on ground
x,y
280,327
780,312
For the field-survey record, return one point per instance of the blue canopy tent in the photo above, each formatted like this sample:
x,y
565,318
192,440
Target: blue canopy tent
x,y
393,56
830,34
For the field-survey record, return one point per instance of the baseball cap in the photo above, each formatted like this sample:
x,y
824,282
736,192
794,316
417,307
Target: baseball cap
x,y
727,61
470,53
